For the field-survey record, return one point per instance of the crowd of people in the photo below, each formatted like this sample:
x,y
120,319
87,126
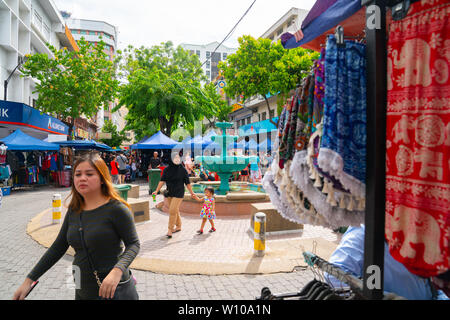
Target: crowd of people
x,y
126,167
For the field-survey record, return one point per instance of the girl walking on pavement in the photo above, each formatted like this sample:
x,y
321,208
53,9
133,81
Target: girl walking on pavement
x,y
208,212
96,223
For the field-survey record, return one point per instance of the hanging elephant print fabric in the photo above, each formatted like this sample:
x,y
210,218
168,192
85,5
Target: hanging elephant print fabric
x,y
418,139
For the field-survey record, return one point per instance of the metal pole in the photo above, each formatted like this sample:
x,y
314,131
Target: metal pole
x,y
5,86
373,275
57,208
259,232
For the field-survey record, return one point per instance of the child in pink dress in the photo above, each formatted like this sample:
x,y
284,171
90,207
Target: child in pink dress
x,y
208,210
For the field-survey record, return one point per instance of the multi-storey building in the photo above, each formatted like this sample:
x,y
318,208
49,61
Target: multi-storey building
x,y
254,113
210,55
25,28
95,31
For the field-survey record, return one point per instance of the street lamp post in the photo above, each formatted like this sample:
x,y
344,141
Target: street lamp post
x,y
21,62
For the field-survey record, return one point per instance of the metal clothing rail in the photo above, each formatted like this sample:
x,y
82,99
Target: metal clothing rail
x,y
376,58
353,282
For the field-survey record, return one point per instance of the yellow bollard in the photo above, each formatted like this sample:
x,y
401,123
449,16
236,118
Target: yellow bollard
x,y
259,233
57,208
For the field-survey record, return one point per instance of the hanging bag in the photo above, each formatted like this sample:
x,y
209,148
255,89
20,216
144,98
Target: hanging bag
x,y
126,290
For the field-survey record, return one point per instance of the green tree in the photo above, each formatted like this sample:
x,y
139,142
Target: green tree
x,y
73,83
262,67
117,138
221,109
162,85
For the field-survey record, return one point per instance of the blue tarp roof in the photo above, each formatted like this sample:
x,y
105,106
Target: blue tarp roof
x,y
19,141
251,145
156,142
84,145
324,16
258,127
198,141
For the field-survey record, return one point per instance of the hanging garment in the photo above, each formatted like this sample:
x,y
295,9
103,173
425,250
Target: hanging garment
x,y
319,90
418,139
343,145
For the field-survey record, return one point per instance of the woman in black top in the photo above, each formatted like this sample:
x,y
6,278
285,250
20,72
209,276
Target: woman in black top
x,y
107,221
175,177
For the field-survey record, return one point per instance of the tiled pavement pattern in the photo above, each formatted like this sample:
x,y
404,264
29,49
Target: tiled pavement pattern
x,y
19,253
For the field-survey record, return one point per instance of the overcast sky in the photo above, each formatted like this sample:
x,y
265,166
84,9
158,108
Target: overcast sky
x,y
143,22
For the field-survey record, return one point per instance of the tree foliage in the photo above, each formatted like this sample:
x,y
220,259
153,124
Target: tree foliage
x,y
117,138
162,87
73,83
221,108
262,67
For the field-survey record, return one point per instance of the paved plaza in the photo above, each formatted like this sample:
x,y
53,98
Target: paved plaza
x,y
20,252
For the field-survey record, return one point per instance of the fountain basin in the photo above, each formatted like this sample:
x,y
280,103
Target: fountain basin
x,y
236,203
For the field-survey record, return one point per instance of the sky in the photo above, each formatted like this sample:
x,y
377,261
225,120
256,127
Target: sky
x,y
147,23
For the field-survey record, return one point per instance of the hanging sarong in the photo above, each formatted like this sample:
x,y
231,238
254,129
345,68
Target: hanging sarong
x,y
343,145
418,139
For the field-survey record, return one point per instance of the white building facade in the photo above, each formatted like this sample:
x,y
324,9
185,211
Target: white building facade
x,y
94,31
255,109
210,55
25,28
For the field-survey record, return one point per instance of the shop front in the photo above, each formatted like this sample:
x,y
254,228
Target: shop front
x,y
14,115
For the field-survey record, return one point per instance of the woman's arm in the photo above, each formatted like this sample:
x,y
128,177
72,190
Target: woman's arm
x,y
48,260
160,185
193,195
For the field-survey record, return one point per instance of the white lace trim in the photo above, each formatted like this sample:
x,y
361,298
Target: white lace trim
x,y
332,163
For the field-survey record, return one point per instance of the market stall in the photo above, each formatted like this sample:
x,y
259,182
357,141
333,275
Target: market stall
x,y
375,148
32,162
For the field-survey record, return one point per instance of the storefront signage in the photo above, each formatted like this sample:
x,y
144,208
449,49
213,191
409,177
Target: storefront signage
x,y
20,114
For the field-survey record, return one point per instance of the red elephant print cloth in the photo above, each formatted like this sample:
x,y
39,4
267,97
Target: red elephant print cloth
x,y
418,139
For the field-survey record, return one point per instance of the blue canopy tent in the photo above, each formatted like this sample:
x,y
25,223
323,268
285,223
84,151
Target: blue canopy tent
x,y
266,145
158,141
323,17
19,141
250,145
83,145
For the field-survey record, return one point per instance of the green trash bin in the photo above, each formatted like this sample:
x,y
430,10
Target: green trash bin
x,y
123,190
154,177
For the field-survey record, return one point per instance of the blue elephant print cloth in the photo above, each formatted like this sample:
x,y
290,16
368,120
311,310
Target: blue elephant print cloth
x,y
342,151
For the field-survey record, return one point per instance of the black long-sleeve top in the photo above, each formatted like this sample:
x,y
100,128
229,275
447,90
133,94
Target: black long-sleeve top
x,y
104,230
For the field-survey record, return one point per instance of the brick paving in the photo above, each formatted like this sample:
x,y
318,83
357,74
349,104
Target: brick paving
x,y
20,253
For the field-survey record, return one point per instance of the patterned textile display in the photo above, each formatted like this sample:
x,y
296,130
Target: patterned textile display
x,y
418,139
319,91
343,145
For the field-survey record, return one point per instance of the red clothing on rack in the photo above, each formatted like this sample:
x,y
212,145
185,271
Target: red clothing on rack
x,y
418,139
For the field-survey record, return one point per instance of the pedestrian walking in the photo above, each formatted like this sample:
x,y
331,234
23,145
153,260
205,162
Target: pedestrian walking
x,y
175,177
122,161
208,212
245,173
133,169
255,172
96,223
114,170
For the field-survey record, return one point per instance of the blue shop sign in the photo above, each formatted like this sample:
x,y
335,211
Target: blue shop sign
x,y
21,114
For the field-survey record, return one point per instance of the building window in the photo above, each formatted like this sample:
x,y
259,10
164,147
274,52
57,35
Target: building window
x,y
198,53
280,31
208,54
208,74
264,116
84,32
272,114
225,56
249,120
208,64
